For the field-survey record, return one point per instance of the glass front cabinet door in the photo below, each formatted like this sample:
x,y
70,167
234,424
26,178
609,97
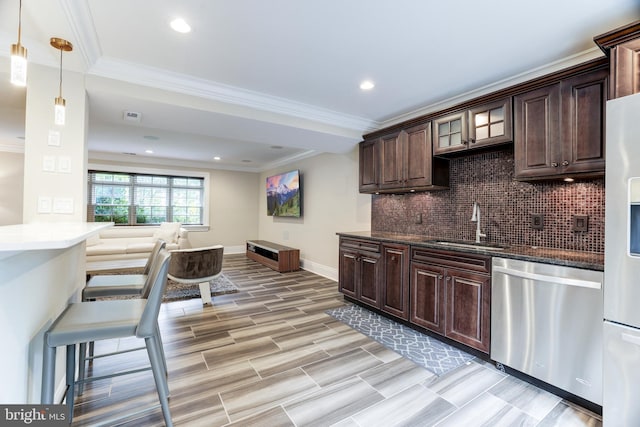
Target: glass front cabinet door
x,y
484,125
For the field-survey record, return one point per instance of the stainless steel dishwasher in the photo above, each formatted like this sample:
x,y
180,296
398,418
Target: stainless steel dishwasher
x,y
546,321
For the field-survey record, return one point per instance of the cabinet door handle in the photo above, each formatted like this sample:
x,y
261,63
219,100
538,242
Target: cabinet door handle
x,y
473,141
465,142
554,164
393,257
439,276
565,163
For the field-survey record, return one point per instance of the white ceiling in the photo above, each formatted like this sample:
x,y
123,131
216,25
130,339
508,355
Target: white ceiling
x,y
256,74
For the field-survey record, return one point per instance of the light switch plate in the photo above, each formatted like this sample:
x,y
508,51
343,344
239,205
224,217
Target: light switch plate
x,y
64,164
44,204
49,163
53,138
62,205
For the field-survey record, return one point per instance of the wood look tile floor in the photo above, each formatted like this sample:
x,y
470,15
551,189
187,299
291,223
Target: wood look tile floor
x,y
270,356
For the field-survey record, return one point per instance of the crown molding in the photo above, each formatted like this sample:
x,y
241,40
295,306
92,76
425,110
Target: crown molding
x,y
552,67
78,15
124,159
181,83
288,160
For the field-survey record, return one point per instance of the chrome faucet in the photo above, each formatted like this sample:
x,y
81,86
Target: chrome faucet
x,y
475,217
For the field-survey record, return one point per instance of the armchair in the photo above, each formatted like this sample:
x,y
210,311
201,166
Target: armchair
x,y
198,265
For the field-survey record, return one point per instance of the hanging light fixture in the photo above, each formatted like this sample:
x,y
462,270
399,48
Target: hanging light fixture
x,y
19,57
60,103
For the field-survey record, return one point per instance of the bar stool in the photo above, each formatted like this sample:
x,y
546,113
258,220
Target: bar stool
x,y
109,285
101,320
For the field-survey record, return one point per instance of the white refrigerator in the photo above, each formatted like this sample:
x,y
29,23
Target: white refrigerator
x,y
621,382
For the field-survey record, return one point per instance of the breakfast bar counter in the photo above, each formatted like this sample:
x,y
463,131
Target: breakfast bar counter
x,y
42,270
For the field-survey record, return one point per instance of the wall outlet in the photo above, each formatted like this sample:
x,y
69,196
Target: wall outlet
x,y
418,218
580,222
537,221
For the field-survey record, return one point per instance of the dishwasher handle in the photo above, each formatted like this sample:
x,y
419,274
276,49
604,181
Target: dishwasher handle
x,y
548,279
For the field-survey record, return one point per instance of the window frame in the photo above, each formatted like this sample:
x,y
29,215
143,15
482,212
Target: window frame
x,y
206,190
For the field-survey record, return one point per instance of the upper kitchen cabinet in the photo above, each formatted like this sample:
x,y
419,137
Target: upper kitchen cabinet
x,y
369,161
559,128
485,125
622,45
402,162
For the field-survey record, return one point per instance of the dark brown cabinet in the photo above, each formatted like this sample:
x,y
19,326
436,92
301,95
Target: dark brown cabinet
x,y
622,45
481,126
428,297
559,129
401,162
369,160
359,270
451,295
443,291
468,308
395,283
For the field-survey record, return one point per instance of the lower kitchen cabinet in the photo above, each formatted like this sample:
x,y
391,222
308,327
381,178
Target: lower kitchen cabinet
x,y
359,275
395,285
442,291
468,308
428,297
451,295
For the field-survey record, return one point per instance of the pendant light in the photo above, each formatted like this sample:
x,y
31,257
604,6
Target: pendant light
x,y
19,57
60,103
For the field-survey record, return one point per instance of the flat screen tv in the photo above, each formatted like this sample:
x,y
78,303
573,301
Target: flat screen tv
x,y
284,196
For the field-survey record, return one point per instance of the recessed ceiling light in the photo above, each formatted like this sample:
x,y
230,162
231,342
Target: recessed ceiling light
x,y
367,85
568,180
180,25
216,158
148,151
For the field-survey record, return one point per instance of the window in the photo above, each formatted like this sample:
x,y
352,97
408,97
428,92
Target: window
x,y
139,199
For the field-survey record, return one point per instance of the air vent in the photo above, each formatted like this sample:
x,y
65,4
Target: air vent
x,y
131,116
129,154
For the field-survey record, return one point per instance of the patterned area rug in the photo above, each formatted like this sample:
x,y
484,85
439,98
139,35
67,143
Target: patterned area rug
x,y
421,349
178,291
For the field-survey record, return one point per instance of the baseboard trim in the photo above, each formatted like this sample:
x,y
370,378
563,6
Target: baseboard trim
x,y
238,249
319,269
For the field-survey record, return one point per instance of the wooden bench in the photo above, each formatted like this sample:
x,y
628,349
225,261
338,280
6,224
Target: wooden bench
x,y
277,257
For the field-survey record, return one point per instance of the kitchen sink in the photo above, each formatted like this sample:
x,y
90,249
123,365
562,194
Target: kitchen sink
x,y
470,245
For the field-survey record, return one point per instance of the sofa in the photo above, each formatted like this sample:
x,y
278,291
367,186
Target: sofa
x,y
128,247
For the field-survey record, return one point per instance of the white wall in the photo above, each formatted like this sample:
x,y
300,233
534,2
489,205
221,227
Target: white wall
x,y
63,183
11,187
233,203
331,203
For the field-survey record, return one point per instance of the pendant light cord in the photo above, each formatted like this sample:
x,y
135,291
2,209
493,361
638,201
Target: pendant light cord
x,y
19,22
60,73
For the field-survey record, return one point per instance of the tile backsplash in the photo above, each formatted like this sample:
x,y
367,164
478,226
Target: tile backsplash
x,y
506,206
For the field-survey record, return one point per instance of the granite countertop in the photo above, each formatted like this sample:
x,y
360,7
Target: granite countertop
x,y
564,257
